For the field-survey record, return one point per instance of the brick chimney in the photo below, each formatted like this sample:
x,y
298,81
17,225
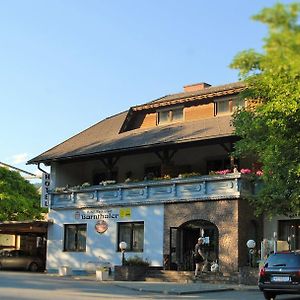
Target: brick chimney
x,y
196,87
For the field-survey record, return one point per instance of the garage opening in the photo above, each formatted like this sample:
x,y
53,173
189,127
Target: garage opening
x,y
28,236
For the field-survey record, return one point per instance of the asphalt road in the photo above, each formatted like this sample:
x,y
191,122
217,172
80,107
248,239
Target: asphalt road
x,y
23,285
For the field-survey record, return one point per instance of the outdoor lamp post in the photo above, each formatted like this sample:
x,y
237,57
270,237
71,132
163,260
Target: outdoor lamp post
x,y
123,246
251,245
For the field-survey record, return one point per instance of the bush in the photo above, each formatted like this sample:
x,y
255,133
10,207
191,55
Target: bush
x,y
136,261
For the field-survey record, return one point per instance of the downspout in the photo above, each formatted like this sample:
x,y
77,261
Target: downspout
x,y
41,169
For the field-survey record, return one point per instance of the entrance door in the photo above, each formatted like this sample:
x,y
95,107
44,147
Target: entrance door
x,y
187,237
190,236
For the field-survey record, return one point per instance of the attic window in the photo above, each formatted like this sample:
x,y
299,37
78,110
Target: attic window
x,y
222,107
237,104
169,115
228,106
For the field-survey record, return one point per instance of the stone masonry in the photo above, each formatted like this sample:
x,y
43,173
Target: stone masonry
x,y
232,218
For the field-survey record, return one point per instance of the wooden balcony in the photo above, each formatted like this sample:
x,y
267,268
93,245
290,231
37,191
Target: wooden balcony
x,y
215,187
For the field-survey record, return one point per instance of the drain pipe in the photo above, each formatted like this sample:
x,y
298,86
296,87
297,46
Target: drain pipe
x,y
41,169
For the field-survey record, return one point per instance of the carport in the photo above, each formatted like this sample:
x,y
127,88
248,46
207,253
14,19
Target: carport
x,y
30,236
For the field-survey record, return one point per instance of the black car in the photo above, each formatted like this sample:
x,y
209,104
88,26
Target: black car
x,y
280,274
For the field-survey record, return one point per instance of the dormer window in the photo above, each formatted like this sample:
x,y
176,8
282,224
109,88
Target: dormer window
x,y
228,106
237,103
222,107
165,116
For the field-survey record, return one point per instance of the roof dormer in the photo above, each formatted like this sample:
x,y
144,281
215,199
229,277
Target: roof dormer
x,y
198,101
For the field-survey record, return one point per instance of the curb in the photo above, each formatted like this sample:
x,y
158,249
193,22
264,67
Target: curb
x,y
172,292
163,291
199,292
247,288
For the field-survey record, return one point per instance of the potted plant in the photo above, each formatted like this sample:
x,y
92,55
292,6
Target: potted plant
x,y
133,269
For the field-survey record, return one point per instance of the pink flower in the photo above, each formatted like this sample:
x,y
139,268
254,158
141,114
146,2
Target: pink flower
x,y
223,172
259,173
246,171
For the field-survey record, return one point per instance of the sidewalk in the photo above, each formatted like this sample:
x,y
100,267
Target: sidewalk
x,y
170,288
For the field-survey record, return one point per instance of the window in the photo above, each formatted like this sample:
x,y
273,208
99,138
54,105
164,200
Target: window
x,y
177,114
222,107
237,103
151,172
163,117
170,115
75,237
284,259
289,230
218,164
228,106
99,177
133,234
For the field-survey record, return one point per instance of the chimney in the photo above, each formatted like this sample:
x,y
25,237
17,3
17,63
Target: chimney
x,y
196,87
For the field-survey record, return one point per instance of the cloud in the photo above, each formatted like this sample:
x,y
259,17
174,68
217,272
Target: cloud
x,y
20,158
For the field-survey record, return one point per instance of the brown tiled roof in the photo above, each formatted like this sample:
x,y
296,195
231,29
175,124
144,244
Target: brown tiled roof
x,y
80,144
106,136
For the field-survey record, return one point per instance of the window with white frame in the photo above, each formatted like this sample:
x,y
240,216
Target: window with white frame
x,y
75,237
133,234
170,115
228,106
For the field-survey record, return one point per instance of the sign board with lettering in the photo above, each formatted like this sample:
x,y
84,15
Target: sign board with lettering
x,y
96,214
102,214
45,196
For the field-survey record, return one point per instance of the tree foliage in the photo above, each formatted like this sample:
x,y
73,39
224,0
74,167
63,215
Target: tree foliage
x,y
19,200
271,130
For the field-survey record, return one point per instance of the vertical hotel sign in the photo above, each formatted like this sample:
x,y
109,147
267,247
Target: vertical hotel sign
x,y
45,197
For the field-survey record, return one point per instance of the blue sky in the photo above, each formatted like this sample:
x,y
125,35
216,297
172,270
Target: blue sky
x,y
67,64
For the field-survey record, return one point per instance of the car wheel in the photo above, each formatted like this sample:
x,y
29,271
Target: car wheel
x,y
33,267
0,266
269,296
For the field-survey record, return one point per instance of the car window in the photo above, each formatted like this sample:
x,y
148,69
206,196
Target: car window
x,y
6,253
13,253
283,260
22,253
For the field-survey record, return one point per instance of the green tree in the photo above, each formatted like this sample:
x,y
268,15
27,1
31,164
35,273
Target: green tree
x,y
19,200
271,130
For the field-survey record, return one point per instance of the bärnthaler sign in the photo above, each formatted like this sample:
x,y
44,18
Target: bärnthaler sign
x,y
97,214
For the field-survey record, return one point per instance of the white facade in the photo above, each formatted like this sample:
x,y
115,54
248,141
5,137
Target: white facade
x,y
104,246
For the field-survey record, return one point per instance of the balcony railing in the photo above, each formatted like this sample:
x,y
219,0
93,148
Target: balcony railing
x,y
216,187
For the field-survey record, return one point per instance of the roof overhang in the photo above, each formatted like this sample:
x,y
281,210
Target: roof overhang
x,y
144,149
